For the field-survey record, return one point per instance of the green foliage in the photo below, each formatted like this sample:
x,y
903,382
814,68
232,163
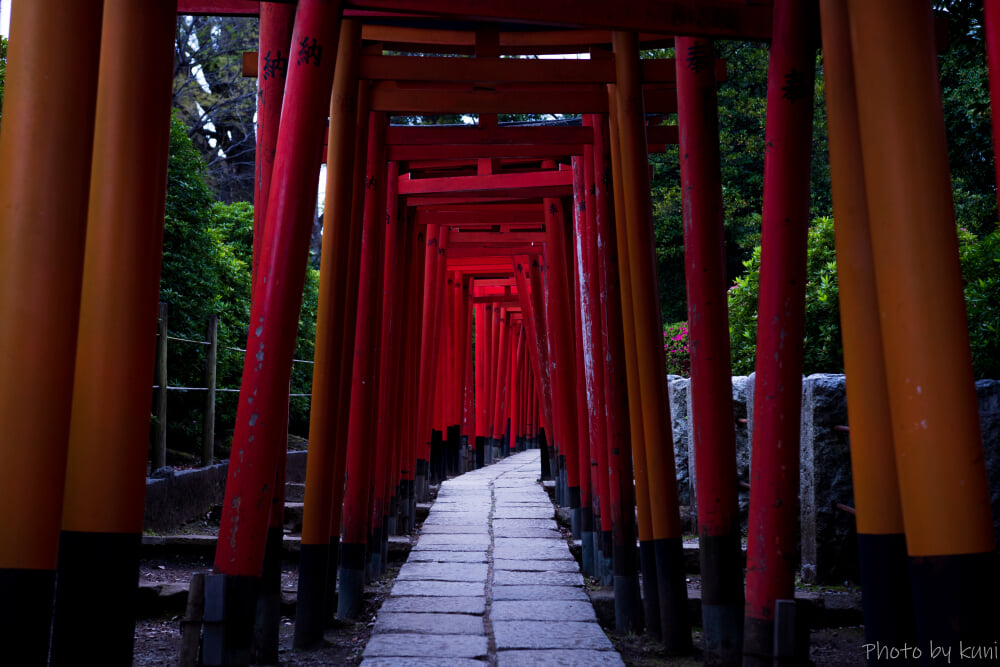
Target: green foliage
x,y
207,255
822,350
675,348
742,119
980,259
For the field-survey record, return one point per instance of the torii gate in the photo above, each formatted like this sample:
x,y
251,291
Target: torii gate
x,y
72,450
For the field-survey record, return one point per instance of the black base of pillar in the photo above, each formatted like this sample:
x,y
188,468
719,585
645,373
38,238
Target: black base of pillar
x,y
674,615
351,597
628,604
650,589
722,598
230,610
264,650
96,597
26,615
547,465
955,600
436,471
480,451
310,601
587,541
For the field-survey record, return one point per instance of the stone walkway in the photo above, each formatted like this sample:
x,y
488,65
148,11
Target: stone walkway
x,y
490,581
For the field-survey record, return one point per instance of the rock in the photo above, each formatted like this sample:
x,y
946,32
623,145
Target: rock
x,y
683,454
829,536
988,395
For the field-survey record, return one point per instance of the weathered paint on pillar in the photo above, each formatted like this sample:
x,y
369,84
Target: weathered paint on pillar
x,y
939,455
45,159
774,484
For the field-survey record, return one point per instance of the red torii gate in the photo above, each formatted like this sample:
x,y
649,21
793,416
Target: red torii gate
x,y
927,383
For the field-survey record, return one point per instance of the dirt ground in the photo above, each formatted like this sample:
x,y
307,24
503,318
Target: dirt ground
x,y
157,641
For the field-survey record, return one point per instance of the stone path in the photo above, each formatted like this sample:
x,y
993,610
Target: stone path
x,y
490,581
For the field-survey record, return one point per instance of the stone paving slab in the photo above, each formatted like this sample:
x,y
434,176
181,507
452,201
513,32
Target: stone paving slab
x,y
437,588
421,662
520,578
442,556
525,523
542,610
447,528
525,513
473,572
431,624
475,605
550,634
422,646
539,593
558,658
422,546
555,551
525,532
451,539
564,565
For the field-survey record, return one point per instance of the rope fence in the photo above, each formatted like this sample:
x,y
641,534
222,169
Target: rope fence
x,y
161,386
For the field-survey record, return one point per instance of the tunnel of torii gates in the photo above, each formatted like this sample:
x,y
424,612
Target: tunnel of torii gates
x,y
485,289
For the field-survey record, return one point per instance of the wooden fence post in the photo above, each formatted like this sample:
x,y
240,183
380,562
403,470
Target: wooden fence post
x,y
208,414
159,454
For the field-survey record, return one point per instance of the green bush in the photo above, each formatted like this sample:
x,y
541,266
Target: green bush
x,y
675,348
822,349
207,256
980,259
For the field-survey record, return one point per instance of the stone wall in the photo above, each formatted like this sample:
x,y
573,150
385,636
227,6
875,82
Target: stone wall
x,y
828,535
175,497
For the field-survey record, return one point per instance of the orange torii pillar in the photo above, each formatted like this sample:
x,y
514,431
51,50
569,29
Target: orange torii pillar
x,y
463,367
45,159
344,390
888,604
501,375
456,374
708,322
326,461
644,520
648,340
106,473
622,505
559,318
774,485
275,309
361,437
939,455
